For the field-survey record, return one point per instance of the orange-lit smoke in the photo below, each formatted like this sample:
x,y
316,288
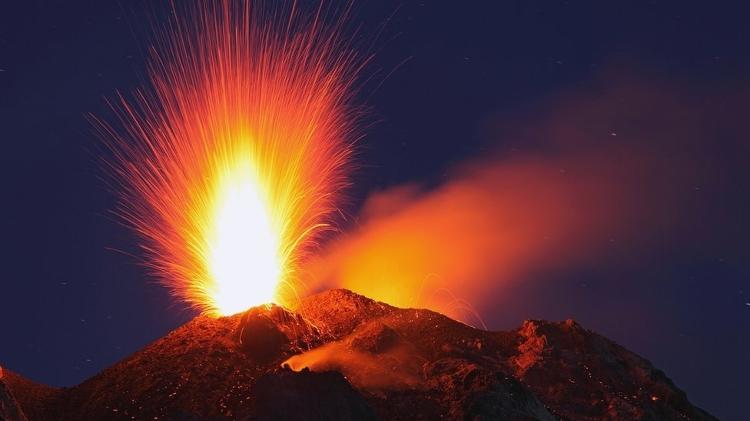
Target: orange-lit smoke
x,y
446,249
588,191
398,367
232,160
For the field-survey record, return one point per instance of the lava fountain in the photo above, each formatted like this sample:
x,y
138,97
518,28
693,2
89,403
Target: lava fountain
x,y
231,159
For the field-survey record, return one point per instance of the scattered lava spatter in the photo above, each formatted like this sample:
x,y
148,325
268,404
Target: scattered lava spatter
x,y
232,159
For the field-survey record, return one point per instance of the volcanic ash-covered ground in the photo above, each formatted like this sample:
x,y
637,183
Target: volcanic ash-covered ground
x,y
344,356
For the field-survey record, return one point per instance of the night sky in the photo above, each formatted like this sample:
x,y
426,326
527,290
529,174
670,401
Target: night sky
x,y
448,84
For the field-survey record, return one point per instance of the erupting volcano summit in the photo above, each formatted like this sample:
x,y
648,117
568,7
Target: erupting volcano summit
x,y
231,163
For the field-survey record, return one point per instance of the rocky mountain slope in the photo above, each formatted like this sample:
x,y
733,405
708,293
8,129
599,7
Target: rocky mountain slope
x,y
344,356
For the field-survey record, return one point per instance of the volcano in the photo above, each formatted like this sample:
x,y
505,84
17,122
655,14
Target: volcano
x,y
344,356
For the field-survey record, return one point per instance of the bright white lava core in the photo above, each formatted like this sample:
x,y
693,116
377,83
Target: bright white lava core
x,y
243,253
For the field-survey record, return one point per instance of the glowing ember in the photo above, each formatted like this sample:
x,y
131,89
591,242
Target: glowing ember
x,y
232,160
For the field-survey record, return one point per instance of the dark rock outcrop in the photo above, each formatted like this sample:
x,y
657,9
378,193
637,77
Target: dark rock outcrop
x,y
287,395
605,380
263,333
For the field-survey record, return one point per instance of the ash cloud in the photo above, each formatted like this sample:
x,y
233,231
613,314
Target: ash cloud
x,y
609,172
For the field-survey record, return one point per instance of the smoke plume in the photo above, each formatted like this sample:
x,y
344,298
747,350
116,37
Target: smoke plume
x,y
594,174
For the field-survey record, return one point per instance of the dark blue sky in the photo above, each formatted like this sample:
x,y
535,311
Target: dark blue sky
x,y
455,81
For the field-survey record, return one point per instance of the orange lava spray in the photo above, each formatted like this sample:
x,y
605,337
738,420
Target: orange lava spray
x,y
232,159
